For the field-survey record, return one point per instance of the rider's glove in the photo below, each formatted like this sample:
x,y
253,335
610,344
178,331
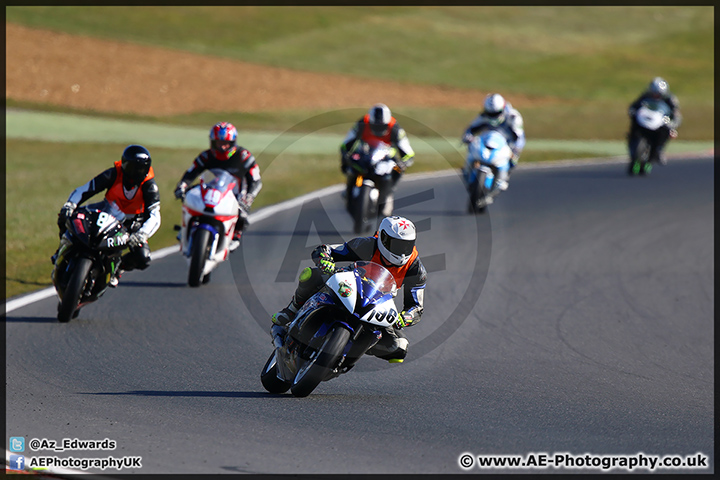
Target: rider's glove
x,y
180,190
407,318
467,138
137,239
404,164
65,213
326,264
673,133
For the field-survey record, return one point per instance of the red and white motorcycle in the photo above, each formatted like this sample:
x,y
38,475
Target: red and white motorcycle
x,y
209,215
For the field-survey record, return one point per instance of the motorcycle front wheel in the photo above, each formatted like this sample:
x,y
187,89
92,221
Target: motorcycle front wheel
x,y
364,212
201,244
74,289
640,157
477,193
321,362
269,377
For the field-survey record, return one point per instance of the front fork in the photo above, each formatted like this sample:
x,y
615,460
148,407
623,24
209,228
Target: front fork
x,y
191,236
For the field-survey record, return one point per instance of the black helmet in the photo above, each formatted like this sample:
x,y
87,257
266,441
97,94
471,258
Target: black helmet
x,y
135,165
658,87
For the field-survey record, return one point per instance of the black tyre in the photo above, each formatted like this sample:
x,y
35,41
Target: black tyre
x,y
201,244
321,363
476,194
643,151
269,377
640,156
361,211
74,290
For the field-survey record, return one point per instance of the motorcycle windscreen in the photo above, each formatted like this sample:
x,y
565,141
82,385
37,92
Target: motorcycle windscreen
x,y
374,282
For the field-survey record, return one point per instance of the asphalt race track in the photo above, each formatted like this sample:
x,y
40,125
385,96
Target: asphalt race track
x,y
576,316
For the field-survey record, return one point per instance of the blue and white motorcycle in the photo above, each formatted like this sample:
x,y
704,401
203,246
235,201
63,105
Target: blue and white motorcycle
x,y
333,329
486,169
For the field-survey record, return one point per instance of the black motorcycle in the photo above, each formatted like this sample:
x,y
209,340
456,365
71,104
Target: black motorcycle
x,y
651,124
371,169
90,253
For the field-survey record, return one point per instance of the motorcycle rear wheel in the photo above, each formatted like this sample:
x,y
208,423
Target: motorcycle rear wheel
x,y
74,290
269,377
322,362
201,243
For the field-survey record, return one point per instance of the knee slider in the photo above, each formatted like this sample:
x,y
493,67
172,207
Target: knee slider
x,y
306,274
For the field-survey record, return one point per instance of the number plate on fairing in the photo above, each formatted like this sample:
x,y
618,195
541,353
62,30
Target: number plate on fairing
x,y
384,314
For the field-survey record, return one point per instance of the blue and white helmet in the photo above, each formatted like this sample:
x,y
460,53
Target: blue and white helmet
x,y
494,109
396,239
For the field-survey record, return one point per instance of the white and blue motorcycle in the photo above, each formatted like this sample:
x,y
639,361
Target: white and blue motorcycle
x,y
333,329
486,169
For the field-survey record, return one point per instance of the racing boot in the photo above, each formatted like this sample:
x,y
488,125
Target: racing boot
x,y
235,242
281,320
392,346
115,277
63,242
286,315
242,222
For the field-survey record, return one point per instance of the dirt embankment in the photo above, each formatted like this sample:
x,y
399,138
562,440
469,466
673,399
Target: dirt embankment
x,y
107,76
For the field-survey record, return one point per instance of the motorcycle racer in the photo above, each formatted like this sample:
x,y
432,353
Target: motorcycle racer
x,y
378,125
225,154
132,192
499,115
657,89
393,247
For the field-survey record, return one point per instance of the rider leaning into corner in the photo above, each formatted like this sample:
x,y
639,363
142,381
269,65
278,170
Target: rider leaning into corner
x,y
225,154
393,247
499,115
135,199
378,125
658,89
